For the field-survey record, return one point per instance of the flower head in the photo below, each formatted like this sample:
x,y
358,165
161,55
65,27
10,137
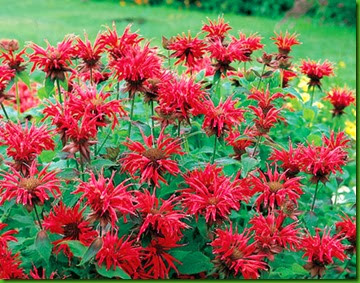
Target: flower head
x,y
285,42
216,29
316,71
347,228
250,44
10,265
340,98
264,98
6,75
265,120
7,235
240,141
14,61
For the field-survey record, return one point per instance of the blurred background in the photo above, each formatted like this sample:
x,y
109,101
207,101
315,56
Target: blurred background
x,y
326,27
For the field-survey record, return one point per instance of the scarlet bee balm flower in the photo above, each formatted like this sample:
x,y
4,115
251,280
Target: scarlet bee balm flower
x,y
340,98
316,71
285,41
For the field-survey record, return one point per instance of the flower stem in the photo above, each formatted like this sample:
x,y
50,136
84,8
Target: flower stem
x,y
214,151
316,189
256,145
131,115
179,128
312,96
37,216
59,90
152,120
262,73
118,90
104,141
3,108
17,98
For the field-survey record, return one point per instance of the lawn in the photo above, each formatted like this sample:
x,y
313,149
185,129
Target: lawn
x,y
28,20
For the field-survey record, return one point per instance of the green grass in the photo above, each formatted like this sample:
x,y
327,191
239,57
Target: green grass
x,y
37,20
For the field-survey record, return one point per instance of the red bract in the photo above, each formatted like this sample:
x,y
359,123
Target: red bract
x,y
216,29
6,236
287,75
136,66
264,98
159,219
316,71
117,252
264,121
285,42
106,201
10,265
347,228
156,260
249,44
336,140
117,45
290,159
275,188
14,61
54,61
211,194
34,273
187,49
68,222
28,97
31,190
240,142
152,162
6,75
272,236
222,118
234,251
25,144
340,98
321,251
179,98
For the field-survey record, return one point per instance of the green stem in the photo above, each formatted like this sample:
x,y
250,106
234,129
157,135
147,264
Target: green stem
x,y
312,96
152,120
3,108
59,90
179,128
214,151
82,169
262,73
131,115
118,91
37,216
256,145
17,98
104,141
316,189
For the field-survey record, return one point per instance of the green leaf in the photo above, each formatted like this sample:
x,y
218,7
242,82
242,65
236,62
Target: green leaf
x,y
99,164
195,262
43,245
41,93
68,174
314,138
76,247
49,86
91,251
111,273
298,269
47,155
293,91
25,78
309,114
248,164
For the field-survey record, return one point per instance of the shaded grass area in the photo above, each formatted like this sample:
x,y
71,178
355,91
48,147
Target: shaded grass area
x,y
36,20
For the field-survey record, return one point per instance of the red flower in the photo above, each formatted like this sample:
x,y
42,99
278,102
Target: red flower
x,y
316,71
271,236
6,75
287,75
264,121
187,49
6,236
340,98
212,194
163,220
222,118
106,200
321,251
290,159
216,29
54,61
68,222
35,274
13,60
157,262
240,142
338,140
136,66
264,98
249,44
347,228
234,251
152,162
285,42
118,45
32,189
10,265
275,188
28,97
180,97
117,252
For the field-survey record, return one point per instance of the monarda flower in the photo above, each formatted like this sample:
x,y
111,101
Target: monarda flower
x,y
249,44
6,236
117,45
156,259
285,41
222,118
272,236
212,194
235,254
35,274
10,265
347,228
321,251
216,29
264,98
340,98
290,159
119,252
33,189
187,49
106,201
336,140
28,97
265,121
68,222
135,67
25,144
179,98
287,76
6,75
316,71
152,162
159,217
275,188
54,61
240,141
14,61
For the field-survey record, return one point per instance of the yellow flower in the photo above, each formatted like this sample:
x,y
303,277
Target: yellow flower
x,y
350,129
318,104
305,96
303,84
122,3
342,64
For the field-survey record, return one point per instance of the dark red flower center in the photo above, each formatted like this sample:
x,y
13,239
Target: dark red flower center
x,y
274,186
154,154
30,183
72,231
236,254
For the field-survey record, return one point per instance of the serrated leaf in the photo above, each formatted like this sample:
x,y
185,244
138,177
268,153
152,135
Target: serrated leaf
x,y
91,251
111,273
309,114
76,247
248,164
47,155
43,245
49,86
195,262
24,77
